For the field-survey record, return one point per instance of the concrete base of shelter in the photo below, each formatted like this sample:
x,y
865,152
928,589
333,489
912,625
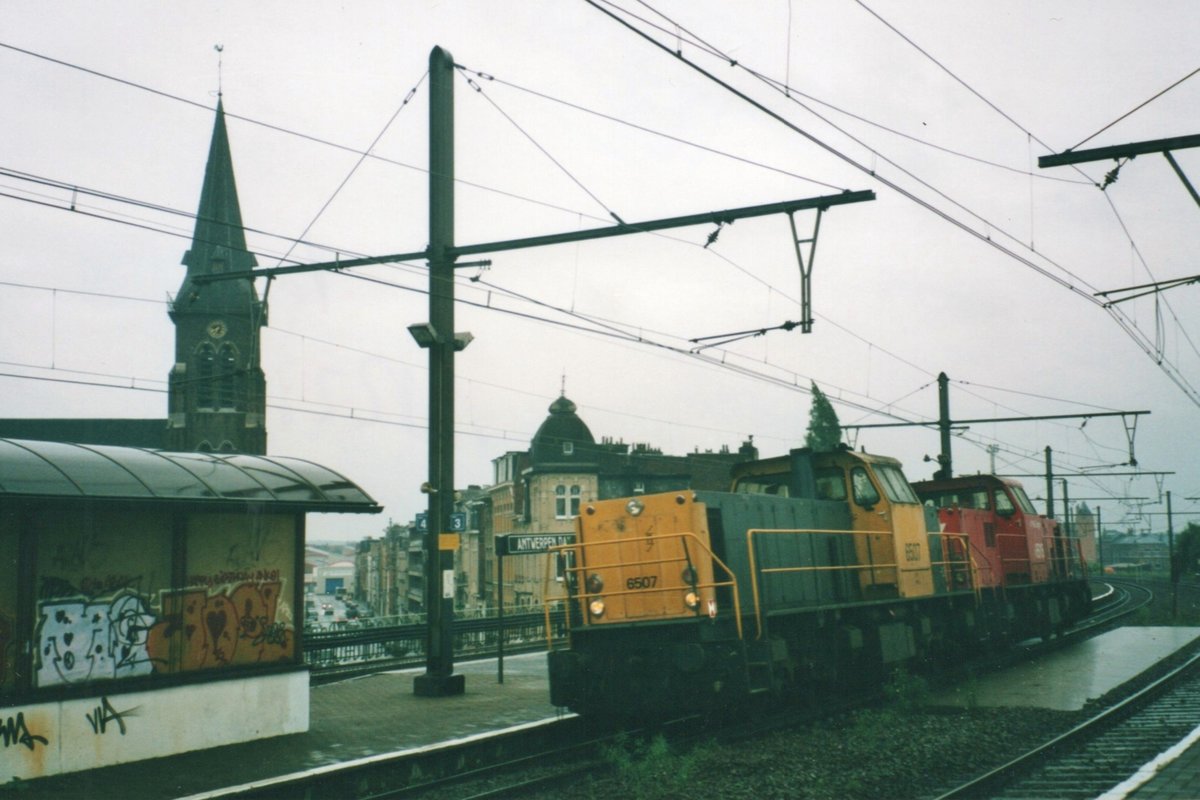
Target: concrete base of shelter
x,y
53,738
1067,679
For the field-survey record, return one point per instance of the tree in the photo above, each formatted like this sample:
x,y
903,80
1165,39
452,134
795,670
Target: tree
x,y
1187,551
824,430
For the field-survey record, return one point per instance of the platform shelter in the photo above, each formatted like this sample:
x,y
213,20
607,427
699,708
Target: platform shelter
x,y
151,603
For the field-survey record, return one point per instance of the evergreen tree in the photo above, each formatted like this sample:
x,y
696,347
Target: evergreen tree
x,y
824,430
1187,551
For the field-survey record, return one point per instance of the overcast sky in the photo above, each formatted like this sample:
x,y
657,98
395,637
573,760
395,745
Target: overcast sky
x,y
970,261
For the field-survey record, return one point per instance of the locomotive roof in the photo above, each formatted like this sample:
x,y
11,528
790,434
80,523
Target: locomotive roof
x,y
961,481
65,471
767,466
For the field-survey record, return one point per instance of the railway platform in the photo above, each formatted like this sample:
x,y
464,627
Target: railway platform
x,y
352,721
1094,667
1173,775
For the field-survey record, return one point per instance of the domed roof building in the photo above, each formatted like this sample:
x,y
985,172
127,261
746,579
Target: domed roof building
x,y
541,490
563,437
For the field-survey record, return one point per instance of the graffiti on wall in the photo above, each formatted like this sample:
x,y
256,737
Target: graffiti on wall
x,y
199,630
15,731
84,639
105,715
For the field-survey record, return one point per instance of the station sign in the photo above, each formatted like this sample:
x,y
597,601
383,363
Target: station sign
x,y
458,522
515,544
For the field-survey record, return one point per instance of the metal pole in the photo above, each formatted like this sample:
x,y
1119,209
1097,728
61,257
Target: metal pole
x,y
500,615
1171,560
1049,482
439,679
1068,527
1100,540
945,468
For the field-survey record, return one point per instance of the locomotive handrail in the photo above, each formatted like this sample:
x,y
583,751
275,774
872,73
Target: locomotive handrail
x,y
964,561
827,568
584,596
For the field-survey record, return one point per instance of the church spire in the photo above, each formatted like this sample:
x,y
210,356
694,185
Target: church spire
x,y
219,242
217,388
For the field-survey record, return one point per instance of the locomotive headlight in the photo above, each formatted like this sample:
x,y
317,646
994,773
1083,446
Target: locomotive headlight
x,y
596,607
692,600
635,507
595,584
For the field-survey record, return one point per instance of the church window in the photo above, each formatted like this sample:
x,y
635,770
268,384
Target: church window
x,y
227,377
575,500
568,448
206,358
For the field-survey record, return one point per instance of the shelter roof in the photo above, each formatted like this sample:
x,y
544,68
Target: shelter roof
x,y
65,471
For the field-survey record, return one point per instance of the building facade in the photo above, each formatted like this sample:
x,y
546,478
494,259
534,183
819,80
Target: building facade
x,y
539,490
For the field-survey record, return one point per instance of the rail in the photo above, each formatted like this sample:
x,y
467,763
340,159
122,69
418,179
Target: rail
x,y
577,566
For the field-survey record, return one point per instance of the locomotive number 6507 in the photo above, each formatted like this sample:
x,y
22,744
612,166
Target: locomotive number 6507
x,y
646,582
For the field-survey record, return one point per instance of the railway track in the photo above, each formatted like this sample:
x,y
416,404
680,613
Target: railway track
x,y
555,756
1100,753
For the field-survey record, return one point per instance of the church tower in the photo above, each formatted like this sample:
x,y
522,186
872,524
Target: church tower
x,y
217,392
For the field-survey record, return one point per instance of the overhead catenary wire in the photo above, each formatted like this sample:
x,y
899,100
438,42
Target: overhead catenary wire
x,y
345,251
1135,109
1073,285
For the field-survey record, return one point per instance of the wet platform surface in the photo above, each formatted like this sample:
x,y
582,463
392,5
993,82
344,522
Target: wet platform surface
x,y
1067,679
351,720
364,718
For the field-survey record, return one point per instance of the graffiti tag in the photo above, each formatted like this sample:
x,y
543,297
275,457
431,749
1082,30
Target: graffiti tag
x,y
104,714
14,731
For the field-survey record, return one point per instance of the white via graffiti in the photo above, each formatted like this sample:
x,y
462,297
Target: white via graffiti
x,y
86,640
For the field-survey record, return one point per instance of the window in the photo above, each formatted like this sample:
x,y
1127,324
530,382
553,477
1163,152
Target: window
x,y
227,378
575,493
1004,506
206,358
894,484
560,502
639,487
1023,500
830,484
865,493
568,448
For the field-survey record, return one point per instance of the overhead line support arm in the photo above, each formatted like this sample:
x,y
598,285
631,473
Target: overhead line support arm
x,y
729,215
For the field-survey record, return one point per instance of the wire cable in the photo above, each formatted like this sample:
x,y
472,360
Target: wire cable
x,y
1135,109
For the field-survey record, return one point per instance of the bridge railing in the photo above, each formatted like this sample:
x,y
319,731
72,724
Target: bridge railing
x,y
396,641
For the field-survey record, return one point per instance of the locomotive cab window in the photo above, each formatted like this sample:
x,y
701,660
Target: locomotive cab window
x,y
895,485
765,485
865,493
1023,500
831,484
1004,506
